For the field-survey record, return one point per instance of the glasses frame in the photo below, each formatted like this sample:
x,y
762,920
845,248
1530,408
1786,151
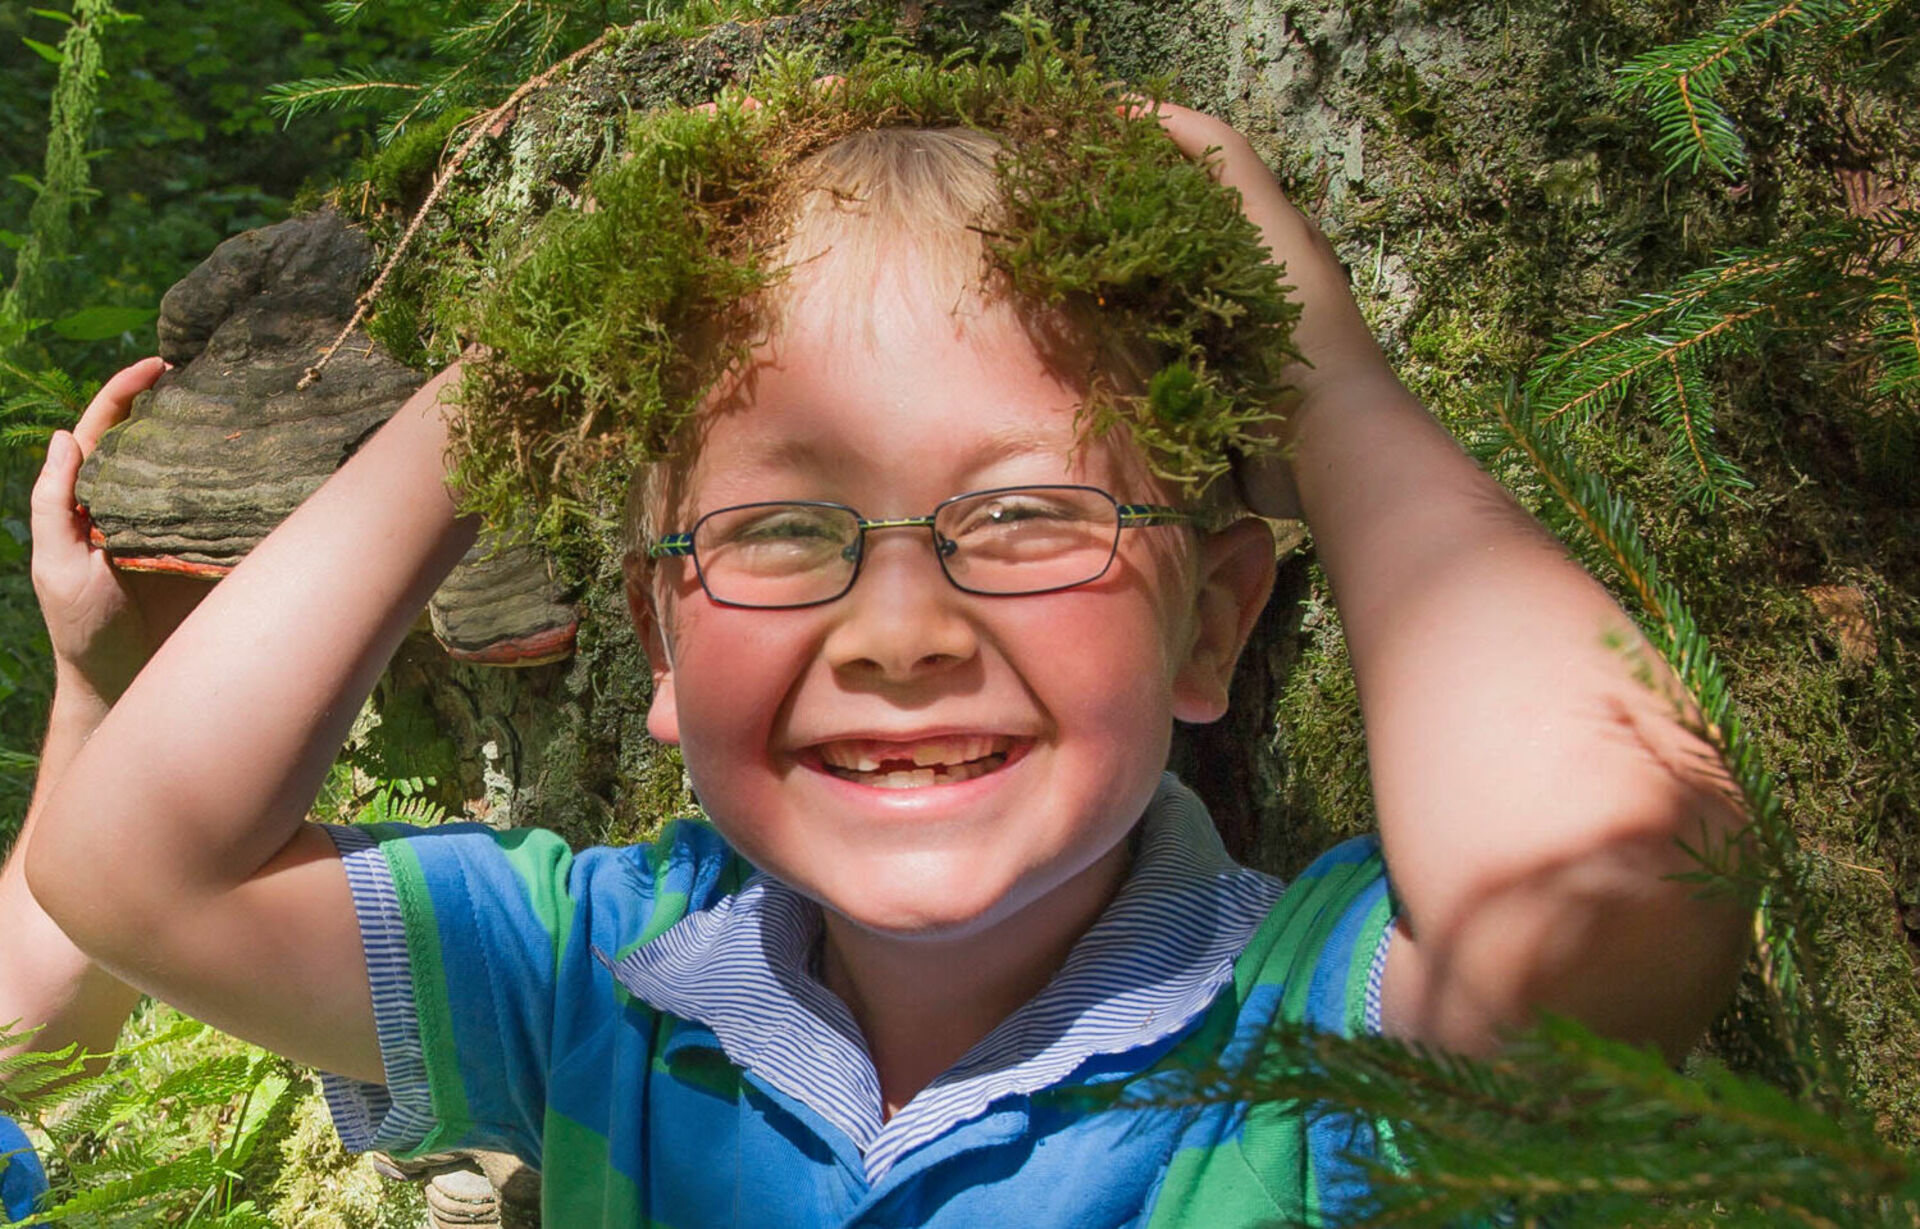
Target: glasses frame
x,y
679,545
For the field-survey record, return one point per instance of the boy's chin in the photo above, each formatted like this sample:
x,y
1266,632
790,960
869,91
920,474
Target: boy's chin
x,y
950,908
919,918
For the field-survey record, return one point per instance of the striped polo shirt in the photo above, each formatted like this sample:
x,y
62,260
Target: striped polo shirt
x,y
643,1025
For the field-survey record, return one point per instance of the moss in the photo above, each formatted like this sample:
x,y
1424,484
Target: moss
x,y
589,367
402,172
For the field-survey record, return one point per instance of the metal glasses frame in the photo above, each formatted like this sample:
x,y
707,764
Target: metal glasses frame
x,y
1128,516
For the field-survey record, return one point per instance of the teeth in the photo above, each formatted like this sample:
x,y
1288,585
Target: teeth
x,y
869,756
938,761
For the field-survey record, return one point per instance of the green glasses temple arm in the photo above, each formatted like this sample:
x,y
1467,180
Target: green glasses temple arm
x,y
674,544
1137,515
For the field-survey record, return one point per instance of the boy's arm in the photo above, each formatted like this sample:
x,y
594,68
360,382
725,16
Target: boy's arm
x,y
174,850
102,626
1533,793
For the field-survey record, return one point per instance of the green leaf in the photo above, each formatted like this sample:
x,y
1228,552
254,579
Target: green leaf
x,y
12,239
53,15
51,55
100,323
21,177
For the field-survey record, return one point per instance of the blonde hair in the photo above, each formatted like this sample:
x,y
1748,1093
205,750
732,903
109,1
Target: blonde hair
x,y
870,198
873,195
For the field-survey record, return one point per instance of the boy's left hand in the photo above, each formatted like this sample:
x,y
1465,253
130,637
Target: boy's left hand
x,y
104,624
1340,351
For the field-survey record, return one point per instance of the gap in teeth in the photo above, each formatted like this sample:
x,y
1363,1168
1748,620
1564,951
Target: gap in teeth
x,y
869,757
920,776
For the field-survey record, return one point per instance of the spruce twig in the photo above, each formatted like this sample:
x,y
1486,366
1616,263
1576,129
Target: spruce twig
x,y
1803,1027
485,124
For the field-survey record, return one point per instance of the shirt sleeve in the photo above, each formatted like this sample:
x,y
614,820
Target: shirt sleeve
x,y
1339,913
463,929
1338,922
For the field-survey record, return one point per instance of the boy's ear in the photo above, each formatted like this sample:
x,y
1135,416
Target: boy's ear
x,y
1236,568
663,714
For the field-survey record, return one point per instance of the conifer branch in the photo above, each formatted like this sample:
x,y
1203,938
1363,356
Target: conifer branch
x,y
1802,1025
483,125
1586,1132
1840,279
1682,81
1896,334
291,99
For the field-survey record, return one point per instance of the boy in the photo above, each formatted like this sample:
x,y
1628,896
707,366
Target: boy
x,y
946,886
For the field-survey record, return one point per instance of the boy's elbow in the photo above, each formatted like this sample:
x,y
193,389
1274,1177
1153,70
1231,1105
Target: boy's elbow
x,y
76,886
1631,935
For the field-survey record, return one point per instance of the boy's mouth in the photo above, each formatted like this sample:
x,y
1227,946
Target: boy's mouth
x,y
910,765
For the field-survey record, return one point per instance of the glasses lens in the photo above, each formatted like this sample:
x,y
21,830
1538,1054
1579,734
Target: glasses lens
x,y
777,554
1027,539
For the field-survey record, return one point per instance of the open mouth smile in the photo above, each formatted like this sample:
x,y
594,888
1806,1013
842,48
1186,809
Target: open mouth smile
x,y
913,765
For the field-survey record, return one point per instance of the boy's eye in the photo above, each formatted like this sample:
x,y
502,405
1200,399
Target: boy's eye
x,y
1004,514
1025,527
786,527
783,537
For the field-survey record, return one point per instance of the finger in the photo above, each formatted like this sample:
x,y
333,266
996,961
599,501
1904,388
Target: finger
x,y
114,399
1197,135
56,526
1139,106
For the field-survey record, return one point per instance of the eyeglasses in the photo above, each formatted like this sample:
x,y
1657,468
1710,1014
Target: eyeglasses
x,y
1005,542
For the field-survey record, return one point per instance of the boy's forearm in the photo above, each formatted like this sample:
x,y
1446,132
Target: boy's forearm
x,y
1533,788
203,772
45,980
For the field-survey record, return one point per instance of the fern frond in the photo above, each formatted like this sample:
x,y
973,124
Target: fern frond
x,y
34,400
1682,82
120,1195
350,87
401,802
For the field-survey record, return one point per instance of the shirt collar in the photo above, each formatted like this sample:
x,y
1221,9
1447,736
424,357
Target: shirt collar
x,y
1145,971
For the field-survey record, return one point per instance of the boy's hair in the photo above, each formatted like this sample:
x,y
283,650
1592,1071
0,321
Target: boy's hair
x,y
871,198
1136,277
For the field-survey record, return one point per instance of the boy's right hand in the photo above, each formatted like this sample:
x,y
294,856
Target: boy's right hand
x,y
104,624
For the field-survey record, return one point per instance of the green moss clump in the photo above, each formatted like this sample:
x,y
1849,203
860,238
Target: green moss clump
x,y
601,335
402,172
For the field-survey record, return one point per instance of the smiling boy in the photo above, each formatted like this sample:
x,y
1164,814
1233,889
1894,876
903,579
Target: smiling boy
x,y
925,701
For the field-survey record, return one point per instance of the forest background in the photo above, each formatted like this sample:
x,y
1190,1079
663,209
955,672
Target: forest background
x,y
1711,324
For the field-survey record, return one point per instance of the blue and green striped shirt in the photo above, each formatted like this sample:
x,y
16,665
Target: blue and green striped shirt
x,y
643,1026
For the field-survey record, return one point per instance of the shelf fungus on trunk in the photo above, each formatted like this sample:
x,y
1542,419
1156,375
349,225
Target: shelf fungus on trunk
x,y
227,443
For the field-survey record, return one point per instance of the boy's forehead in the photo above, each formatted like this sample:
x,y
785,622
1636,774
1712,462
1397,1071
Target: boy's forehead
x,y
915,373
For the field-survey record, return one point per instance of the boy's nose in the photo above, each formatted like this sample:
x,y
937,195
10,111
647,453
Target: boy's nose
x,y
902,617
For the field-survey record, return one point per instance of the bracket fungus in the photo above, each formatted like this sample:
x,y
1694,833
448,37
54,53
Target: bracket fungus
x,y
227,444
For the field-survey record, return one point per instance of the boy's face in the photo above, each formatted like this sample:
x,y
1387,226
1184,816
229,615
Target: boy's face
x,y
890,410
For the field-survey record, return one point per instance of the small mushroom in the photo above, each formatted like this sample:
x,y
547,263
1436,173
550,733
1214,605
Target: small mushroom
x,y
224,446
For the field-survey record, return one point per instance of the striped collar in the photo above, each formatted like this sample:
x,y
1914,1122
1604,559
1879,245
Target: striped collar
x,y
1145,971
